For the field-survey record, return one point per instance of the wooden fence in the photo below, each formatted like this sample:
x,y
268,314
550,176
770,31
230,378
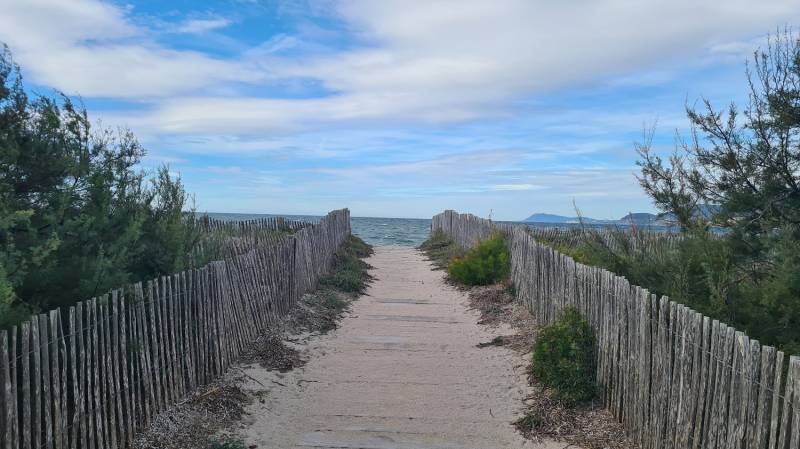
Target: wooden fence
x,y
673,377
617,239
95,374
221,239
247,226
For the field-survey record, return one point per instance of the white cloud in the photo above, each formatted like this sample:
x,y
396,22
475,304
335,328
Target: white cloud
x,y
439,62
199,26
517,187
421,62
474,57
91,48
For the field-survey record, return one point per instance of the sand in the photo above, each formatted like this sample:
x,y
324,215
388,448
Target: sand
x,y
402,372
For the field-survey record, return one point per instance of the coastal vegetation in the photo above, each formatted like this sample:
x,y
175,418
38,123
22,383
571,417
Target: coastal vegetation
x,y
563,358
485,263
739,172
440,249
349,271
77,214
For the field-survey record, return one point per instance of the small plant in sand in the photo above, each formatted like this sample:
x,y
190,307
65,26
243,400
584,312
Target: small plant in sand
x,y
441,249
486,263
349,272
563,358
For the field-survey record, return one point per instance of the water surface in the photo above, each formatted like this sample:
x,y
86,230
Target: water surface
x,y
375,231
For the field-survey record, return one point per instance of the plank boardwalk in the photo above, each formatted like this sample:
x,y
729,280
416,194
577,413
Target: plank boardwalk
x,y
402,372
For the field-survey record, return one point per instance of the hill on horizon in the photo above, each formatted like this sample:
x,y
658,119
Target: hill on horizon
x,y
638,218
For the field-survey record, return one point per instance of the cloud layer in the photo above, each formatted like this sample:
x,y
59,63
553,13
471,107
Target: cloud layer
x,y
429,62
392,93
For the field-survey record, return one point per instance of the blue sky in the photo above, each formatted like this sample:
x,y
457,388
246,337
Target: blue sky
x,y
395,108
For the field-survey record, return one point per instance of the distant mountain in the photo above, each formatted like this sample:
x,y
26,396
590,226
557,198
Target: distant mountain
x,y
636,218
551,218
639,218
708,210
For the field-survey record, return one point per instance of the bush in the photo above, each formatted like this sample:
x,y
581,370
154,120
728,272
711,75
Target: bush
x,y
563,358
358,247
348,272
486,263
348,281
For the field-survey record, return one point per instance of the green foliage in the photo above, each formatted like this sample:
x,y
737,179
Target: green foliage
x,y
347,280
355,247
486,263
333,303
708,273
169,233
10,312
349,273
739,172
563,358
744,164
77,215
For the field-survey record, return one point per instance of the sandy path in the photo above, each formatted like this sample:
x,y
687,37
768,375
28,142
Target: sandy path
x,y
402,372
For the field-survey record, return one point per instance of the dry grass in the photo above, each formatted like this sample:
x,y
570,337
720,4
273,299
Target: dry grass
x,y
191,423
319,312
271,352
588,426
494,302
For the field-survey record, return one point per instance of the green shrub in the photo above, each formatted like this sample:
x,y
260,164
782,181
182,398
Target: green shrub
x,y
349,273
358,247
346,281
486,263
563,358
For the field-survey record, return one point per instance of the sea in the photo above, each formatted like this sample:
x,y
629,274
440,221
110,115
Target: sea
x,y
375,231
381,231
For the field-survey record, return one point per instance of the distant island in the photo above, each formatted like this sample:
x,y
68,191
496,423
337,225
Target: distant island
x,y
637,218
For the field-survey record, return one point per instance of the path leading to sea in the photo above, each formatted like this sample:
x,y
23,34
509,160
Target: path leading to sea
x,y
402,372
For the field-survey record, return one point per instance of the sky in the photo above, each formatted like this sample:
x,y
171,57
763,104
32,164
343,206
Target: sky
x,y
395,108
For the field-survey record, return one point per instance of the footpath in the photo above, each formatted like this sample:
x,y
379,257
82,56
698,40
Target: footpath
x,y
401,372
